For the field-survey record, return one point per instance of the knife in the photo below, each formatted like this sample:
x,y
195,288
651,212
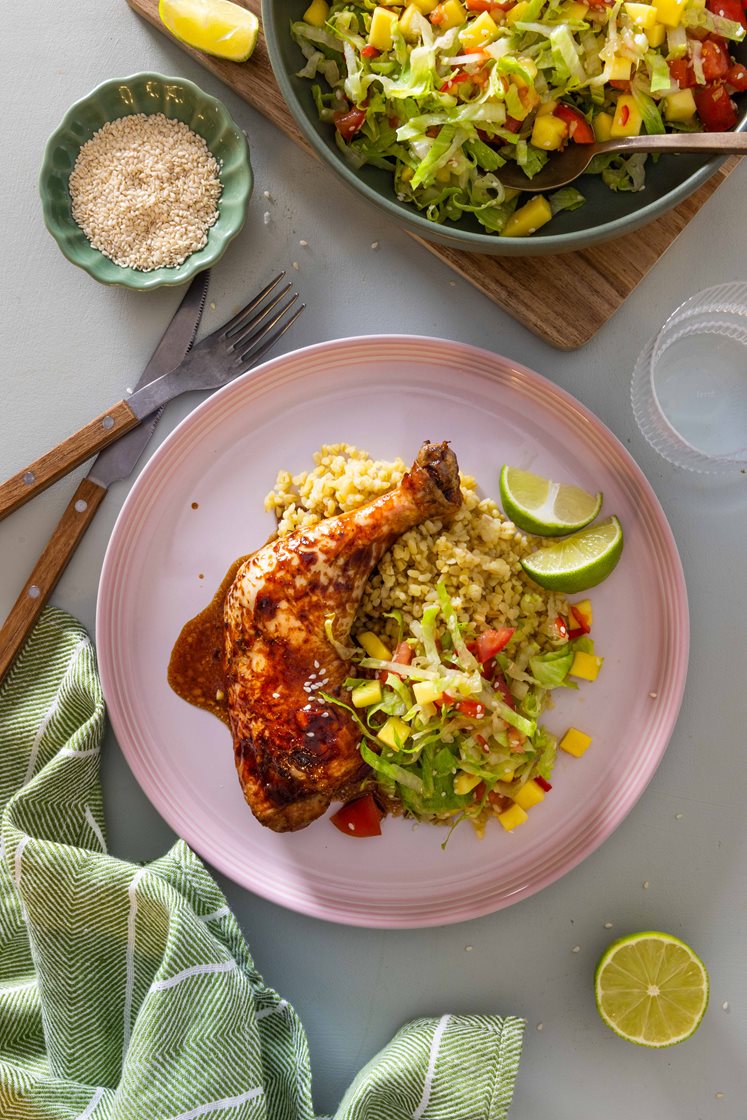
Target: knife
x,y
112,464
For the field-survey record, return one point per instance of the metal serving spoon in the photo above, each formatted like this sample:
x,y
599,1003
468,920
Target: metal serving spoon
x,y
567,165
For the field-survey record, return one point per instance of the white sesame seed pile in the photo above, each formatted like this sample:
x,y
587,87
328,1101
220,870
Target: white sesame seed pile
x,y
145,191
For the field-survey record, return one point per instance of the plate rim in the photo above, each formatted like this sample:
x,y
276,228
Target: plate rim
x,y
676,616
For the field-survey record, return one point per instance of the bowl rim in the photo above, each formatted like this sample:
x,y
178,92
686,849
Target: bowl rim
x,y
132,278
468,240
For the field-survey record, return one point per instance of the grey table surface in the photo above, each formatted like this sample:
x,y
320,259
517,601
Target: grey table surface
x,y
677,863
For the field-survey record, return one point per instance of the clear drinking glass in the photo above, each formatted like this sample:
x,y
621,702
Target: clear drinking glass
x,y
689,388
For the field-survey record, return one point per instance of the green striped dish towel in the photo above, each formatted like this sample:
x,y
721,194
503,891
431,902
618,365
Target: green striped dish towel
x,y
128,992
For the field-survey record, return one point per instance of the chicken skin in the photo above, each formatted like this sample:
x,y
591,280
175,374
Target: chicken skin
x,y
294,751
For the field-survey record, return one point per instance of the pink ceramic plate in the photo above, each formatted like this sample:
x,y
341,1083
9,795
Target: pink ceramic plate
x,y
199,504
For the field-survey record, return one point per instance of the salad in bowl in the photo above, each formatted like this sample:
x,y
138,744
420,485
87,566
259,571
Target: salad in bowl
x,y
441,96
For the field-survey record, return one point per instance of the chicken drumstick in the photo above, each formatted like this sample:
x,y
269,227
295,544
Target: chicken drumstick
x,y
295,752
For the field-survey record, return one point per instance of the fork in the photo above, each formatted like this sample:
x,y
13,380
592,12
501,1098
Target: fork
x,y
217,359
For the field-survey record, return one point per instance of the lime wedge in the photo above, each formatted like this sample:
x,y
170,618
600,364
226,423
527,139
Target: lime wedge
x,y
651,989
577,562
549,509
216,27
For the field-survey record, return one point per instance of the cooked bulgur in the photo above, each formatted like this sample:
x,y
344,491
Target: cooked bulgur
x,y
477,555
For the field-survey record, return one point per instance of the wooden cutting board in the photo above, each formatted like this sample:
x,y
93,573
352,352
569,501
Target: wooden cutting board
x,y
535,290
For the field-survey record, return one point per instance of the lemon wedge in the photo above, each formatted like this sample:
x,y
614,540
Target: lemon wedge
x,y
216,27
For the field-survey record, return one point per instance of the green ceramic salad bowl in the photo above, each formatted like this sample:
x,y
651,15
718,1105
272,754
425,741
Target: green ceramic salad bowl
x,y
148,93
605,215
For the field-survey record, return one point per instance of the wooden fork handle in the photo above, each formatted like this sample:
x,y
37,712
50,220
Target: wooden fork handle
x,y
48,569
63,458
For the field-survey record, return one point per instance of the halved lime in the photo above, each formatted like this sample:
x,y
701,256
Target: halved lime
x,y
549,509
651,989
577,562
217,27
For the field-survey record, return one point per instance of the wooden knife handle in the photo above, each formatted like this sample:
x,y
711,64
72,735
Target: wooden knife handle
x,y
49,567
63,458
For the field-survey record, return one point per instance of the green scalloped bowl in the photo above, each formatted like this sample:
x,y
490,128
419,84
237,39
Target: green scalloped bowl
x,y
145,93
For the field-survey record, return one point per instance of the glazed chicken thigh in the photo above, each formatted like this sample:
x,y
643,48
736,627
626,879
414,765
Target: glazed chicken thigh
x,y
294,751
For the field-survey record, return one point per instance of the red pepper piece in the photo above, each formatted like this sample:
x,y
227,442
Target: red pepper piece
x,y
579,128
369,51
545,785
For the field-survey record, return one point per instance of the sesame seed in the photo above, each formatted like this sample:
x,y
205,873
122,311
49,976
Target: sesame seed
x,y
145,191
719,1096
351,826
374,245
303,243
576,949
316,664
468,948
267,195
653,695
296,265
309,734
725,1005
540,1026
276,695
646,884
266,217
678,816
608,925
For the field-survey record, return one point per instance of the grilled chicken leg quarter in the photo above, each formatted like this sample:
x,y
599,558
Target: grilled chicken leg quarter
x,y
295,752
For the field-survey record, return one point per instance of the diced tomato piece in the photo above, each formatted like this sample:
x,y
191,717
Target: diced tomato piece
x,y
349,122
369,51
479,791
729,9
681,71
403,655
716,60
621,84
479,5
543,784
579,128
455,80
361,817
490,643
511,124
601,3
715,107
516,739
736,77
500,684
472,709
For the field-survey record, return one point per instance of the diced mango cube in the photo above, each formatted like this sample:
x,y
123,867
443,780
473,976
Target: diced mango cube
x,y
641,15
530,794
656,35
620,69
529,218
449,14
575,742
669,12
394,733
513,817
316,13
549,133
517,13
465,783
602,125
478,33
547,108
574,9
409,23
381,32
425,6
426,692
586,666
374,646
680,106
584,607
366,694
628,120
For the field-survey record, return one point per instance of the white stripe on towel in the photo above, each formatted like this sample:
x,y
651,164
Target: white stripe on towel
x,y
195,970
130,959
436,1042
88,1111
213,1106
